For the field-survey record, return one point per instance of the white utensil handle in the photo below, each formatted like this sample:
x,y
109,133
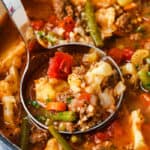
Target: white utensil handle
x,y
17,14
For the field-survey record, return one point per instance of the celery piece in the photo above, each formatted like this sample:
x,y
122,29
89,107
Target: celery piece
x,y
92,25
64,116
59,138
24,133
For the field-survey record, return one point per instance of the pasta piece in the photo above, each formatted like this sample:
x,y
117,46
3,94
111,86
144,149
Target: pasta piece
x,y
138,57
52,144
107,100
106,19
130,69
119,88
13,79
137,120
7,58
8,112
5,88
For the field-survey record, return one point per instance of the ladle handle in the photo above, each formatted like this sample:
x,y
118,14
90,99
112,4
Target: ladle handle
x,y
18,15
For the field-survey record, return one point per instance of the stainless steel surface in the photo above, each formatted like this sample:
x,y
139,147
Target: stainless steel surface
x,y
5,144
19,17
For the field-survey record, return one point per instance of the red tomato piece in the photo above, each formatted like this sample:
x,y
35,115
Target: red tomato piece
x,y
68,25
66,35
127,54
37,24
53,20
116,54
60,65
85,96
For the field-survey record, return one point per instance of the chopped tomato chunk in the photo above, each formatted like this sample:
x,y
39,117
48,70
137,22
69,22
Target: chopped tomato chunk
x,y
127,54
120,55
85,96
56,106
60,65
37,24
68,25
116,54
53,20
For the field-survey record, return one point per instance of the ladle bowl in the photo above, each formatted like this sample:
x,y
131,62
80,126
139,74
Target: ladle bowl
x,y
38,58
35,62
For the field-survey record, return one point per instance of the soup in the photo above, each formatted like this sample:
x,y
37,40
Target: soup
x,y
123,32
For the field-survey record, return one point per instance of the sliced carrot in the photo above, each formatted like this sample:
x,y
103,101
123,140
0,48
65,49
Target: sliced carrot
x,y
56,106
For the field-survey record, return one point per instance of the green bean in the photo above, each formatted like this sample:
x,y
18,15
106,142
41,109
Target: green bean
x,y
92,25
59,138
24,134
60,116
64,116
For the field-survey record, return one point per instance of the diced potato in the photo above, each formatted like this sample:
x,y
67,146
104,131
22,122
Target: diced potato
x,y
94,87
137,120
8,109
44,90
100,69
96,74
52,144
13,79
61,86
74,81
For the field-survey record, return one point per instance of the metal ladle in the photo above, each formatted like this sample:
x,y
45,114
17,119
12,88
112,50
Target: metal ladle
x,y
40,57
